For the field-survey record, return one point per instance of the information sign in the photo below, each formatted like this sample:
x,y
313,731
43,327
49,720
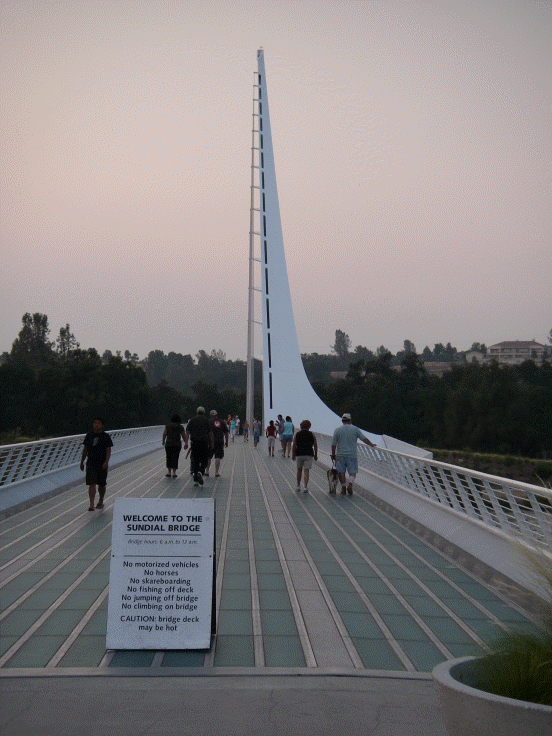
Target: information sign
x,y
161,576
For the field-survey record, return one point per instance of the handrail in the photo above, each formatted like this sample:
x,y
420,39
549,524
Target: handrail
x,y
518,510
27,460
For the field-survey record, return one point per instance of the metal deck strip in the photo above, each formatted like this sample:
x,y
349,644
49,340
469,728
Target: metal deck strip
x,y
54,551
221,548
255,603
299,617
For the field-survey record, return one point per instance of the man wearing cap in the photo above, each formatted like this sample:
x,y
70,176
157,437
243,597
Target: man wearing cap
x,y
220,436
199,431
344,440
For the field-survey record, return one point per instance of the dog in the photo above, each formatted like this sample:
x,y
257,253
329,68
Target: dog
x,y
333,478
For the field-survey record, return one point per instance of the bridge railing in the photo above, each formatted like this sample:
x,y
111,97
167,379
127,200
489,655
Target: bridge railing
x,y
516,510
29,469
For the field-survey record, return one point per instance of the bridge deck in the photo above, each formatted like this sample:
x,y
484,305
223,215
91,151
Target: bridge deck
x,y
306,583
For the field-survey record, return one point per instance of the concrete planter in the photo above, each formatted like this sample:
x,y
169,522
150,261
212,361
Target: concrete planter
x,y
471,712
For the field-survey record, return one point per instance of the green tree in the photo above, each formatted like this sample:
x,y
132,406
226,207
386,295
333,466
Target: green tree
x,y
167,401
382,364
408,349
356,372
450,352
17,396
363,353
413,373
66,342
32,347
342,344
319,367
439,352
219,355
155,366
181,372
479,347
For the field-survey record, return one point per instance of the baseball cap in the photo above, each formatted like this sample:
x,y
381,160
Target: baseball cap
x,y
200,410
213,412
346,416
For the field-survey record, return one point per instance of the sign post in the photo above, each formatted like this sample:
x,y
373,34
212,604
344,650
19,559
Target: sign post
x,y
162,574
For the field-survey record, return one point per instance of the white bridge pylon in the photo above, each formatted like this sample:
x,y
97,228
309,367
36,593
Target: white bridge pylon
x,y
286,387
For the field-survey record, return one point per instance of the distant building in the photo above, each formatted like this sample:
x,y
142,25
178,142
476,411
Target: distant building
x,y
514,352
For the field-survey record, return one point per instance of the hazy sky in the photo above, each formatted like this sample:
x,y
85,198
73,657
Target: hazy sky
x,y
412,143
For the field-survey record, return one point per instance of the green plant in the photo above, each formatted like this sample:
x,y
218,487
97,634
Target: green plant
x,y
520,666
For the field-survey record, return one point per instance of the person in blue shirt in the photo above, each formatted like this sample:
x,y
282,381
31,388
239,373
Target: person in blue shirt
x,y
344,452
287,436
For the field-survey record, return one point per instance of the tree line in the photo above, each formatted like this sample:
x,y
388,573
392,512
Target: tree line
x,y
52,388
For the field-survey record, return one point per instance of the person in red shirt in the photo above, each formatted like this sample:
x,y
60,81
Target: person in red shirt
x,y
271,432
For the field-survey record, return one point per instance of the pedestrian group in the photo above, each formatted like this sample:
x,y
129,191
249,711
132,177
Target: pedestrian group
x,y
206,438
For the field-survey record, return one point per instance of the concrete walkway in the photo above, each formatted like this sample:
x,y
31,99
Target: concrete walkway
x,y
330,614
256,706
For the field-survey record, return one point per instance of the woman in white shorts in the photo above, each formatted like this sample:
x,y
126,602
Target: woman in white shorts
x,y
271,432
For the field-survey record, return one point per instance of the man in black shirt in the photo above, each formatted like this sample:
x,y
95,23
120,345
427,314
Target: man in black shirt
x,y
220,437
199,431
97,452
304,449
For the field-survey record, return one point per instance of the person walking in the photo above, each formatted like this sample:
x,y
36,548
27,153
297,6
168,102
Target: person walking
x,y
280,430
344,452
256,431
220,441
304,450
287,436
271,433
171,441
199,431
97,453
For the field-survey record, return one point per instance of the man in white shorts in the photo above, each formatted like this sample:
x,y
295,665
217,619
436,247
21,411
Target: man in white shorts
x,y
344,452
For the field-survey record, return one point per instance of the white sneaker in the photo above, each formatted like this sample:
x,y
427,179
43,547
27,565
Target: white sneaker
x,y
305,489
298,489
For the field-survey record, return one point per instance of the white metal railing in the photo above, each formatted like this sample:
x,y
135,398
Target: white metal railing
x,y
518,510
27,460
